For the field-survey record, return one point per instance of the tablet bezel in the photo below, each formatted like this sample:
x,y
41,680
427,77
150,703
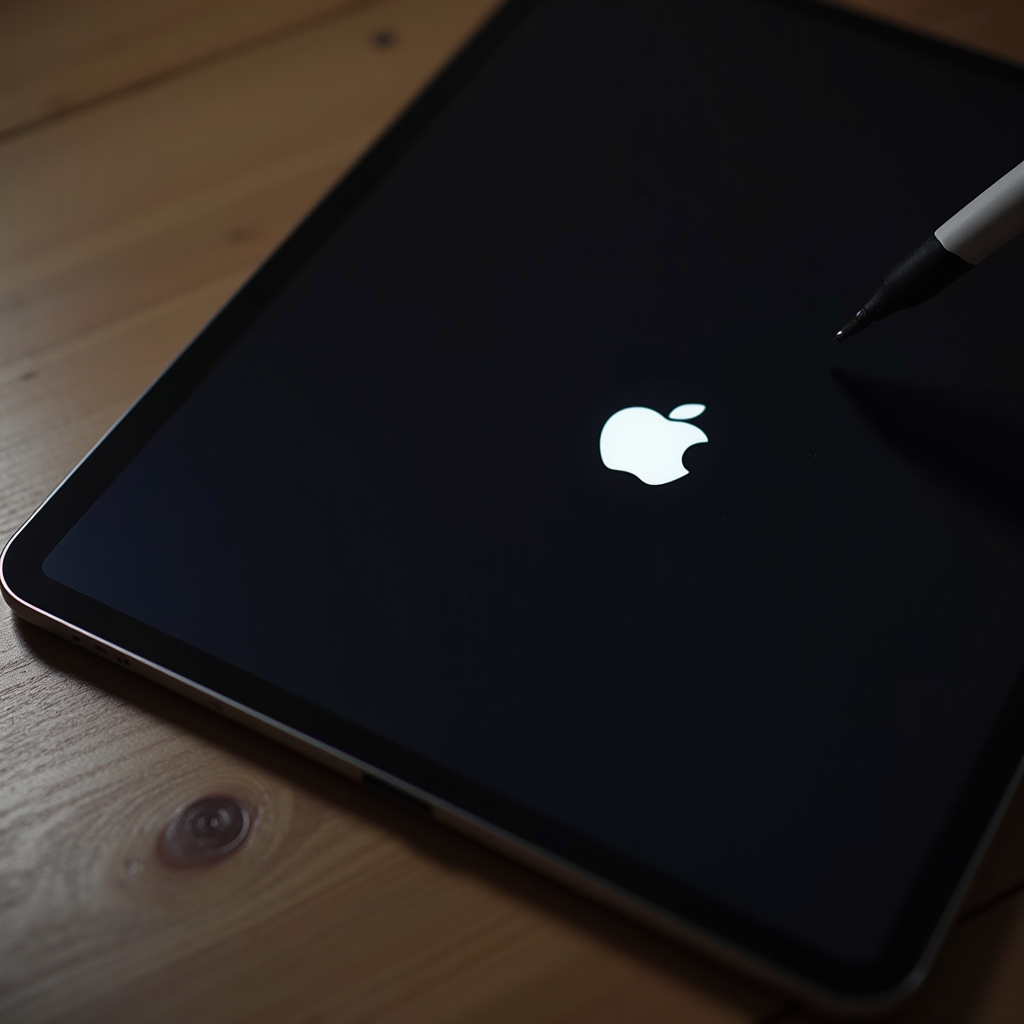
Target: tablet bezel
x,y
453,797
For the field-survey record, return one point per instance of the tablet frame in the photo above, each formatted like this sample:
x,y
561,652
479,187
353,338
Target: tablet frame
x,y
426,785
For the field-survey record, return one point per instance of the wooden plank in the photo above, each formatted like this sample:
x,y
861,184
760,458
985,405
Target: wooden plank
x,y
133,223
124,227
58,402
132,205
59,55
336,904
993,27
162,191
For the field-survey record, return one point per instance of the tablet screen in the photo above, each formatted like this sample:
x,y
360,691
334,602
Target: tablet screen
x,y
767,679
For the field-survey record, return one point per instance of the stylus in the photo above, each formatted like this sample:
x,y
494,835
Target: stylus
x,y
982,226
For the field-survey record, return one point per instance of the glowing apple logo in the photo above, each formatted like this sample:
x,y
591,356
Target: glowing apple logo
x,y
642,442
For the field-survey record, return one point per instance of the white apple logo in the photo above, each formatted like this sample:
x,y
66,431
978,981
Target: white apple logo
x,y
642,442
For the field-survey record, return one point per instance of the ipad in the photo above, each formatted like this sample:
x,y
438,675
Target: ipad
x,y
522,481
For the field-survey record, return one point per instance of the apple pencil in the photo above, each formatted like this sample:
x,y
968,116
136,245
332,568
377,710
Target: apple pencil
x,y
982,226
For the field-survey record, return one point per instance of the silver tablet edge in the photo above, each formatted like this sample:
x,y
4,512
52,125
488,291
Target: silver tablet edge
x,y
521,850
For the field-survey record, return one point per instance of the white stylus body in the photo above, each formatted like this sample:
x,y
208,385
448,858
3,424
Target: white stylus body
x,y
988,222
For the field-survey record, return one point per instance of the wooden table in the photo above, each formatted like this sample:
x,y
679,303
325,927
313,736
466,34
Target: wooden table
x,y
151,153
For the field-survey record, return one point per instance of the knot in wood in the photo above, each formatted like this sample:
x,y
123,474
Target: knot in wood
x,y
205,831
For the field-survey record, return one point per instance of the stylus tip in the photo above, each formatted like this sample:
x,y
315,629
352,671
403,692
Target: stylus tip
x,y
858,323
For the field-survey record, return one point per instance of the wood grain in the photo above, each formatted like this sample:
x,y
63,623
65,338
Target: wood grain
x,y
161,150
57,56
993,27
370,913
152,201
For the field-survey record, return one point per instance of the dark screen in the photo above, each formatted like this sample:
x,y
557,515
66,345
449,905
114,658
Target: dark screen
x,y
768,678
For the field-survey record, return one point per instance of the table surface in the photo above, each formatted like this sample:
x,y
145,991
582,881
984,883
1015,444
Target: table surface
x,y
152,152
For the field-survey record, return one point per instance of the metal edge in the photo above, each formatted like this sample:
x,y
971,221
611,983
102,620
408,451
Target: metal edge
x,y
475,827
491,835
551,865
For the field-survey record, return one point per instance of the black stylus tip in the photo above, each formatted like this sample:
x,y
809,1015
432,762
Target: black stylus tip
x,y
858,323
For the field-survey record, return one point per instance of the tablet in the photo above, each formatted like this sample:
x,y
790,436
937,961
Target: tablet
x,y
522,481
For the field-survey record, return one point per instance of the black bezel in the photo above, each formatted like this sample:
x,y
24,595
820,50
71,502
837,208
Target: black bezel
x,y
23,578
